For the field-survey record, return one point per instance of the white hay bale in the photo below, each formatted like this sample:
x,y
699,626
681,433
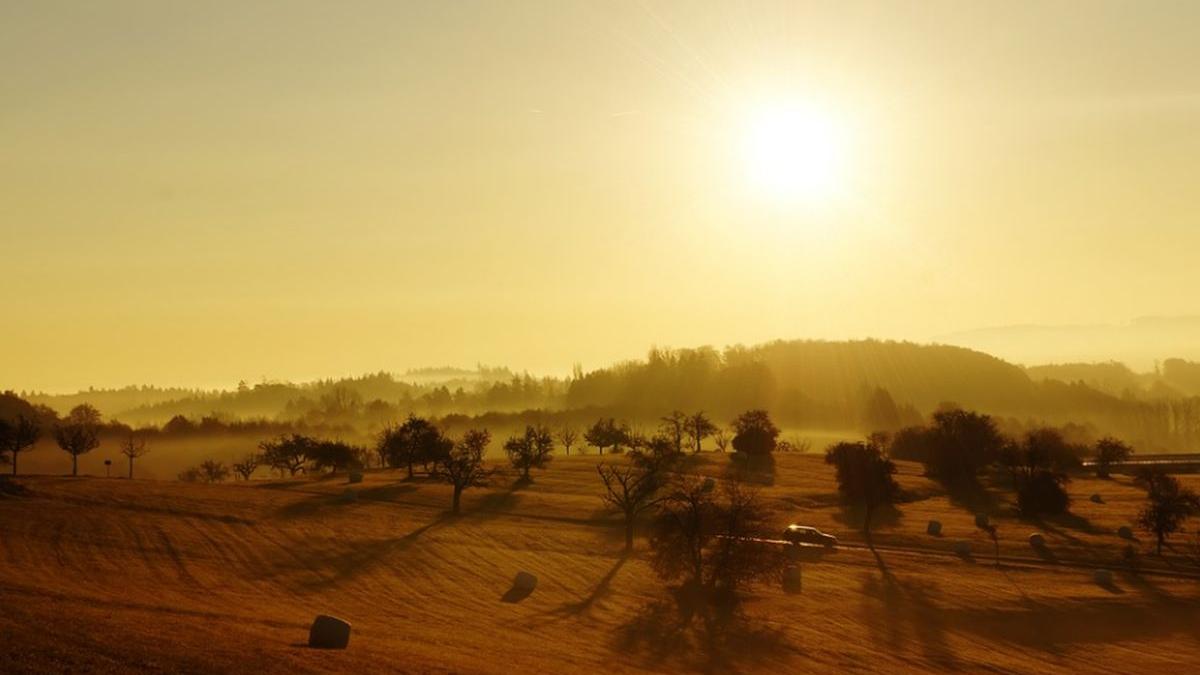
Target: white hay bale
x,y
1103,577
791,579
525,581
329,632
962,548
934,528
1125,532
356,476
982,521
1097,499
1037,540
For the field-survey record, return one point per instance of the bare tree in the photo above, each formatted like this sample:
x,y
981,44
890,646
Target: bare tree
x,y
568,435
699,427
530,450
463,466
213,471
629,489
18,436
721,439
247,465
79,433
674,426
133,447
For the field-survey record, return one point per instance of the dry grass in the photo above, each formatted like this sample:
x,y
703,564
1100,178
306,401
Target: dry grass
x,y
113,575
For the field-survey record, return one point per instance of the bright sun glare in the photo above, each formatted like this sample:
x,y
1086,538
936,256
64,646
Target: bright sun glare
x,y
794,153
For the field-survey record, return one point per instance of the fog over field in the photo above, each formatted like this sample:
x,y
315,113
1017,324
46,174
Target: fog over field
x,y
562,336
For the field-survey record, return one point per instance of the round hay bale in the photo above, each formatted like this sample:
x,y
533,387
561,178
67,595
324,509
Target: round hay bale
x,y
962,548
1037,540
329,632
1097,499
356,476
708,485
934,528
791,579
982,521
1125,532
525,581
1103,577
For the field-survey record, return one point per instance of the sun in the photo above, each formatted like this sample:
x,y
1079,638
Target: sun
x,y
794,152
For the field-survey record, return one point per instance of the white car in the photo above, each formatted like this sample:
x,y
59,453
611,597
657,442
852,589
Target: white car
x,y
801,534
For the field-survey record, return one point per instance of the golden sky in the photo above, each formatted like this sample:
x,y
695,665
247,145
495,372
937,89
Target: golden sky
x,y
196,193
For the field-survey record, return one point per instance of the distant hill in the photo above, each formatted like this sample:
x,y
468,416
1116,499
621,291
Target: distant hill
x,y
1141,343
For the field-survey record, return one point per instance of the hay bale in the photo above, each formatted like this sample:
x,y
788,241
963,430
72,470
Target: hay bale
x,y
934,528
962,548
329,632
525,581
1103,577
1097,499
791,579
982,521
356,476
1037,540
1125,532
708,485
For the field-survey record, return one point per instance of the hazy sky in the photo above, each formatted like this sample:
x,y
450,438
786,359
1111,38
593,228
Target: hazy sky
x,y
195,193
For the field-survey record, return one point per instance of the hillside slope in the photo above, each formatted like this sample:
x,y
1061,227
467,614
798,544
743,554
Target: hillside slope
x,y
144,576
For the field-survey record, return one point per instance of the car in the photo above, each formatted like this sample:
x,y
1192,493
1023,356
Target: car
x,y
802,534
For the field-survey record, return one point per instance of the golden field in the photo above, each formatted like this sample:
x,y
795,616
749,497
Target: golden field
x,y
113,575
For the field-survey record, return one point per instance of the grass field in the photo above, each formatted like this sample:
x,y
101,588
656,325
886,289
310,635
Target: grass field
x,y
102,575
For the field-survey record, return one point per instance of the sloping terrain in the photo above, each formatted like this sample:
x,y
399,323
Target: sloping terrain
x,y
114,575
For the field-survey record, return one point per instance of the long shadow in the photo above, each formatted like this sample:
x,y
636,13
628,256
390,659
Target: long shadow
x,y
598,591
903,607
358,557
665,631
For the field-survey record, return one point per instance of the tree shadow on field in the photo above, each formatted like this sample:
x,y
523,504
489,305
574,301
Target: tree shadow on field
x,y
853,515
972,495
892,608
346,560
672,631
601,589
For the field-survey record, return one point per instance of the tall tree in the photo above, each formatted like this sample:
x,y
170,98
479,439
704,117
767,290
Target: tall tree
x,y
133,448
463,466
674,426
530,450
1110,451
699,427
567,435
18,436
865,478
1168,506
754,433
630,489
79,433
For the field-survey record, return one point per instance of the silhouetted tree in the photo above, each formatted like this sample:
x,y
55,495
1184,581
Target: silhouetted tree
x,y
416,440
1042,493
1168,506
530,450
674,426
754,433
960,444
699,427
287,453
606,433
463,466
713,540
865,477
133,447
212,471
1110,451
629,489
720,439
17,436
79,433
247,465
567,435
333,455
